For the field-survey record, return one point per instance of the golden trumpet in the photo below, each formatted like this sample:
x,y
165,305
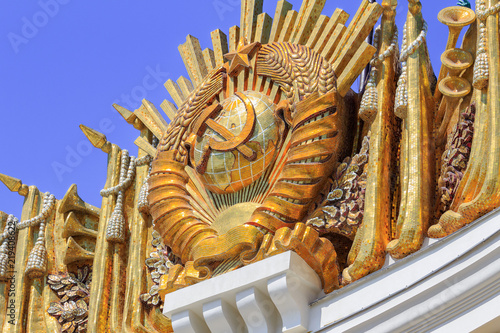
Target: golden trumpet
x,y
74,252
456,60
72,202
453,89
73,227
455,17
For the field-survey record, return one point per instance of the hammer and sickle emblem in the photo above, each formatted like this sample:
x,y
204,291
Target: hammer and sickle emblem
x,y
232,142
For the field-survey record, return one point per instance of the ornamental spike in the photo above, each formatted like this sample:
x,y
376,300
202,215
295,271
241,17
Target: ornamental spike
x,y
14,184
96,138
128,115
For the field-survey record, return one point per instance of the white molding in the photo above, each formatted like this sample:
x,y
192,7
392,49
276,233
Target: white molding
x,y
271,294
259,312
450,285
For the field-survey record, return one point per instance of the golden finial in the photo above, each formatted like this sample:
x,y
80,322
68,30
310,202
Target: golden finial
x,y
14,184
129,116
97,139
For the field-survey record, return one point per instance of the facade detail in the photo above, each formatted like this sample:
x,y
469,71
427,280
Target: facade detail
x,y
269,196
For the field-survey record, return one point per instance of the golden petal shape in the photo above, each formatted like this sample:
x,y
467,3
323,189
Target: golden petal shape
x,y
67,281
331,211
156,242
56,287
82,273
80,312
68,327
316,222
150,262
154,290
155,234
55,309
53,279
145,297
155,300
335,195
89,278
82,304
155,275
162,269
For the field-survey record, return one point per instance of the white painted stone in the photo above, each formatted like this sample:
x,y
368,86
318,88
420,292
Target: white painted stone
x,y
450,285
292,294
258,311
221,317
188,322
258,292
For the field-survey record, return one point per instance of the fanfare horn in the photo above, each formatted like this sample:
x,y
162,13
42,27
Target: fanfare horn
x,y
74,252
72,202
455,17
453,89
73,227
456,60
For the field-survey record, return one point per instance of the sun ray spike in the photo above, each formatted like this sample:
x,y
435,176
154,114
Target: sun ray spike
x,y
200,213
321,24
306,19
262,31
287,29
14,184
193,59
234,38
128,115
263,28
209,57
333,41
274,92
219,42
352,25
338,17
151,118
359,28
216,200
282,9
185,85
354,67
169,109
204,207
194,49
142,143
96,138
175,92
250,9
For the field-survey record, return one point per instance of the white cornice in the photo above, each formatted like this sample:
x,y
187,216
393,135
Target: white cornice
x,y
450,285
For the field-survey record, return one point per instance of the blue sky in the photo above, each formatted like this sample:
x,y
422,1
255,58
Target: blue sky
x,y
64,63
